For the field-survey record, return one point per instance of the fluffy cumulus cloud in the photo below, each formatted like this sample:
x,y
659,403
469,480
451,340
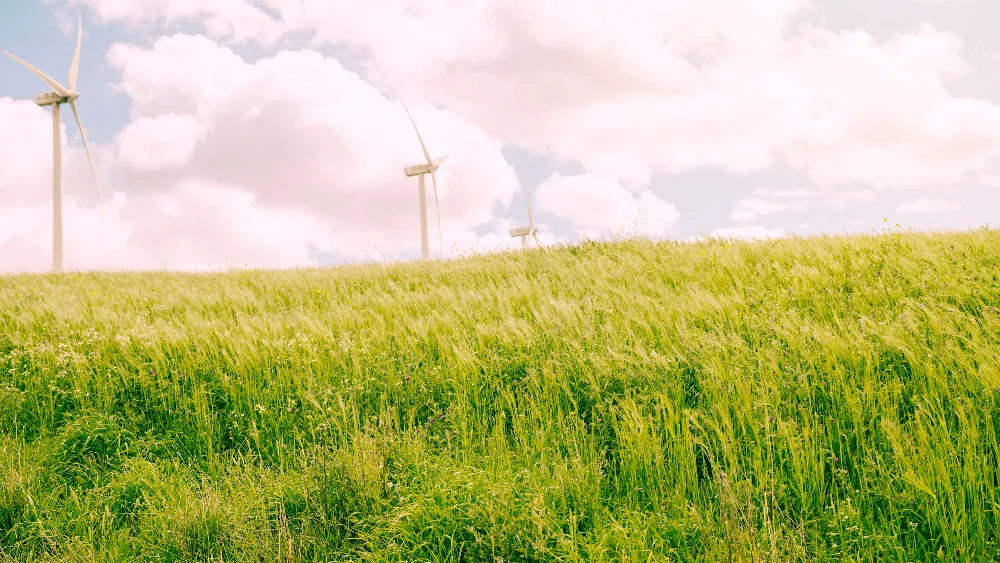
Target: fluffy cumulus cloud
x,y
594,206
624,91
152,231
239,21
630,89
990,179
266,164
26,179
298,131
784,204
884,116
752,208
924,206
26,187
150,144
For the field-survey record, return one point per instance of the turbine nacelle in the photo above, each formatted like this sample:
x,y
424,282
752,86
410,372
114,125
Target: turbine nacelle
x,y
427,168
523,232
52,98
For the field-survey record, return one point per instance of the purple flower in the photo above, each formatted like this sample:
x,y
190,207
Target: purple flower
x,y
835,459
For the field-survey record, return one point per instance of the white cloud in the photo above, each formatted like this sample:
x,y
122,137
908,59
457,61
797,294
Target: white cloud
x,y
238,21
925,206
990,179
26,158
168,140
194,227
840,200
648,86
749,209
627,90
593,205
889,120
265,163
986,52
183,74
26,173
318,139
630,89
786,194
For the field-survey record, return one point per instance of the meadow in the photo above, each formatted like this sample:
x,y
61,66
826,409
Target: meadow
x,y
819,399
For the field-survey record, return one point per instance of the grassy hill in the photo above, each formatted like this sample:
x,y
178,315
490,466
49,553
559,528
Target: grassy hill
x,y
822,399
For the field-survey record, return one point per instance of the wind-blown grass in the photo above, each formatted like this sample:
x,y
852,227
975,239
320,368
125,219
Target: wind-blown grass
x,y
822,399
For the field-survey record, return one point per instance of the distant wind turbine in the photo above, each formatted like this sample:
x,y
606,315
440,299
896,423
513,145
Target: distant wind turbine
x,y
420,170
62,95
530,230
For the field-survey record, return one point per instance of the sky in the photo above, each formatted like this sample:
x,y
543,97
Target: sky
x,y
268,134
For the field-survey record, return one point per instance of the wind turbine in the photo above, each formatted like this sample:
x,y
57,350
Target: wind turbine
x,y
420,170
62,95
530,230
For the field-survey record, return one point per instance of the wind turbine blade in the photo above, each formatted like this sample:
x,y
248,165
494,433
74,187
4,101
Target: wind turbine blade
x,y
83,136
534,236
75,67
440,160
423,147
427,155
434,182
48,79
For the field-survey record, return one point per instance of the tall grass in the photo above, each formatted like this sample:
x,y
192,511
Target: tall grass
x,y
822,399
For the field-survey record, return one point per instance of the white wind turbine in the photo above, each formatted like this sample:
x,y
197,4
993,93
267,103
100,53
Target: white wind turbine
x,y
62,95
420,170
530,230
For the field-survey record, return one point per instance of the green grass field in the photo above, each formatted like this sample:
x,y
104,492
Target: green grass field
x,y
821,399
